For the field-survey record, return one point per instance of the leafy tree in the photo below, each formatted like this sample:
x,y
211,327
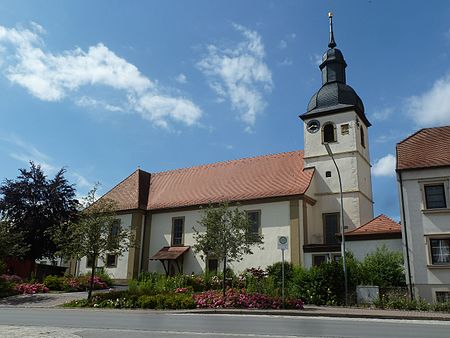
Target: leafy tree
x,y
11,243
96,233
35,206
383,268
226,235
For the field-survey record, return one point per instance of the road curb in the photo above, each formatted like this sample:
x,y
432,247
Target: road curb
x,y
309,313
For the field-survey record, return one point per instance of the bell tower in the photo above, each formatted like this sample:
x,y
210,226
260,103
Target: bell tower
x,y
335,115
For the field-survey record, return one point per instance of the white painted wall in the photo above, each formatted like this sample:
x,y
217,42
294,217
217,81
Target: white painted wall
x,y
119,272
419,225
275,221
361,249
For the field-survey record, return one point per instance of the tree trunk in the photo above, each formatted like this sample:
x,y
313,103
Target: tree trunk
x,y
224,274
91,282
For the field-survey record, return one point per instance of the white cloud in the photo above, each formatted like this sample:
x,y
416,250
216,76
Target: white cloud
x,y
385,166
282,44
86,101
382,114
181,78
285,62
239,74
432,107
82,181
25,152
447,34
53,77
158,109
316,59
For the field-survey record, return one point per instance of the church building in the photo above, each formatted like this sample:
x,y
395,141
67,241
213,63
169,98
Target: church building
x,y
294,194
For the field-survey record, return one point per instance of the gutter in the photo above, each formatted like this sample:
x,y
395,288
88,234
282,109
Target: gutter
x,y
406,235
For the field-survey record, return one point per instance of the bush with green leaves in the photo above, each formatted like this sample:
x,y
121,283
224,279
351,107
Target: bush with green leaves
x,y
398,301
124,299
55,283
275,271
383,268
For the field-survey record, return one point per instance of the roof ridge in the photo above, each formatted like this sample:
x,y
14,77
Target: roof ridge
x,y
367,223
420,131
413,134
222,163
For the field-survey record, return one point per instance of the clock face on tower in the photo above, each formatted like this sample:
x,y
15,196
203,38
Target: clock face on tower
x,y
313,126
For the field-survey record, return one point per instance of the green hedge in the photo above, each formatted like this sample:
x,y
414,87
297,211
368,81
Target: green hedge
x,y
125,299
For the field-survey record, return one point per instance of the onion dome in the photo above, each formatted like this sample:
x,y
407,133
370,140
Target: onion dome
x,y
335,94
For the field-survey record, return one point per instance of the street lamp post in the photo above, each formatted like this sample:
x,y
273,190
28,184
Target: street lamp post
x,y
327,146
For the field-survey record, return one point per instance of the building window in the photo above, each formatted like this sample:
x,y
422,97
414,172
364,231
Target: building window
x,y
363,140
177,231
330,228
440,250
111,261
435,196
442,296
114,231
254,218
329,132
89,261
318,259
212,265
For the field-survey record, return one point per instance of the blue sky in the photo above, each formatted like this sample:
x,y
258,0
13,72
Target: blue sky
x,y
104,87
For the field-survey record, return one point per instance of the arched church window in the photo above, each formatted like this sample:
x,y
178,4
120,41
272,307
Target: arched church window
x,y
363,141
329,133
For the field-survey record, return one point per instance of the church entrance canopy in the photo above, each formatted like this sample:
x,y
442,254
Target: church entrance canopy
x,y
171,256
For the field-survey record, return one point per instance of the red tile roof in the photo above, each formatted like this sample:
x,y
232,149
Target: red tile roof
x,y
380,225
132,192
238,180
429,147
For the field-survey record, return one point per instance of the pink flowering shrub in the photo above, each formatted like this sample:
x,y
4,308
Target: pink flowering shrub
x,y
80,283
28,288
243,300
85,282
181,290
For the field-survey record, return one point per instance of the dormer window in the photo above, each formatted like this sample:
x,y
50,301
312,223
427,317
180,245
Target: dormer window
x,y
329,133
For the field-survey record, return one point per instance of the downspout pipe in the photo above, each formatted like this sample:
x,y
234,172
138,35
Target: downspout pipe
x,y
405,231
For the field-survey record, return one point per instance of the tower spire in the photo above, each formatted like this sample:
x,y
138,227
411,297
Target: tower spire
x,y
332,43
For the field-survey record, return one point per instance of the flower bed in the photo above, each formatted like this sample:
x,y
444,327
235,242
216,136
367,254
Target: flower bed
x,y
31,288
242,300
73,284
182,298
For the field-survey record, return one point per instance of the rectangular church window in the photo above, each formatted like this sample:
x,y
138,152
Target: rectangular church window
x,y
331,227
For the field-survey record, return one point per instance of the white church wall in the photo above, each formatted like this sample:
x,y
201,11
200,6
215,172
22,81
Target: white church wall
x,y
275,221
120,271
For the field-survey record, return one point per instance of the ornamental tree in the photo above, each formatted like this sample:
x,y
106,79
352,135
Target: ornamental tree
x,y
95,234
226,235
11,242
34,207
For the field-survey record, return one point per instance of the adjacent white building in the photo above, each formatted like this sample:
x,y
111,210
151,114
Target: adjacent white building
x,y
423,172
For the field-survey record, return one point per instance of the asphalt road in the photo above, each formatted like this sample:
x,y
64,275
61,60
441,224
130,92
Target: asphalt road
x,y
33,322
